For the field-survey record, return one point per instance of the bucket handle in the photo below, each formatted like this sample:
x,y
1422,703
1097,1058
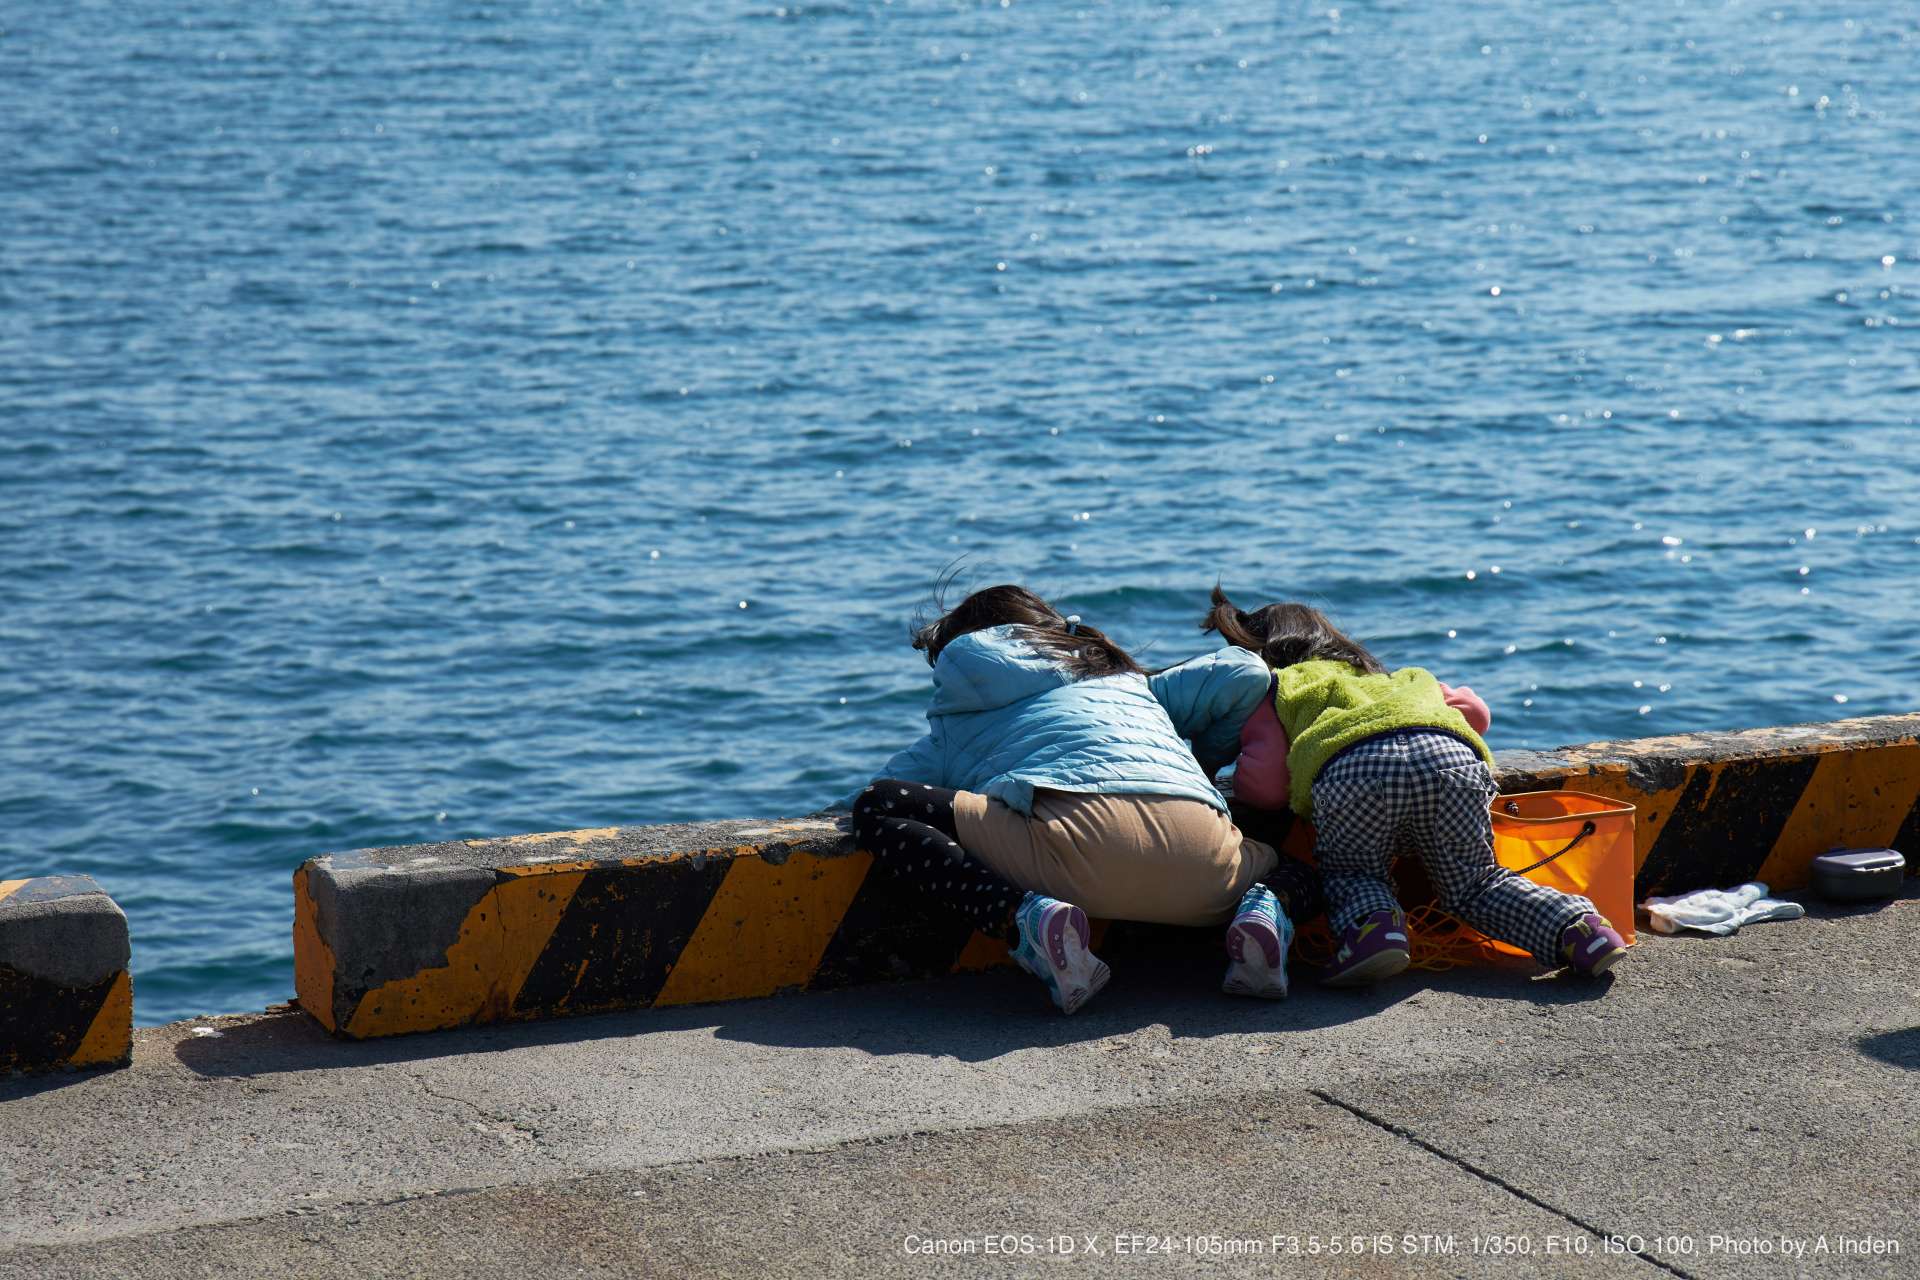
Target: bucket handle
x,y
1586,829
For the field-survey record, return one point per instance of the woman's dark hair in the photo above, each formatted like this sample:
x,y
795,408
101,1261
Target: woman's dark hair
x,y
1083,650
1286,633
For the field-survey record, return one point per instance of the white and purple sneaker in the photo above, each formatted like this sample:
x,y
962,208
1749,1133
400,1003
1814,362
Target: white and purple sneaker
x,y
1373,949
1257,943
1591,946
1053,948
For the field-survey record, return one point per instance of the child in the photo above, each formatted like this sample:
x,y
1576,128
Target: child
x,y
1051,785
1383,763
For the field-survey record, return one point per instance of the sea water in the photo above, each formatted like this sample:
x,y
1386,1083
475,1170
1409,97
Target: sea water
x,y
462,418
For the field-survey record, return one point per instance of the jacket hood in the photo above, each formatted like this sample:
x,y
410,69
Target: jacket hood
x,y
990,669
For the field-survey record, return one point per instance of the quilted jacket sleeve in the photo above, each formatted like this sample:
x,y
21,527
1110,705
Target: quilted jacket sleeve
x,y
922,762
1209,700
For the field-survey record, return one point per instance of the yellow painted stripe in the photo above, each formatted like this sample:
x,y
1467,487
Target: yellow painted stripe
x,y
110,1037
766,929
312,957
1652,811
502,937
982,952
1854,798
529,911
8,886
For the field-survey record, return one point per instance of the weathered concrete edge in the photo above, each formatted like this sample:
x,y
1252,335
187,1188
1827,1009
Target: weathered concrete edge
x,y
824,835
1645,763
66,996
564,923
1651,763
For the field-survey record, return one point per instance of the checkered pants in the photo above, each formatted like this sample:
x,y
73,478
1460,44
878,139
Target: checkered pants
x,y
1427,793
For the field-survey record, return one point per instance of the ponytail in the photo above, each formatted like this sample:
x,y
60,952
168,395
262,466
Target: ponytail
x,y
1286,633
1234,626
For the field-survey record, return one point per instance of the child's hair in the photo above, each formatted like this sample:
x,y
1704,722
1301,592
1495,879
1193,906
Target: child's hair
x,y
1082,649
1286,633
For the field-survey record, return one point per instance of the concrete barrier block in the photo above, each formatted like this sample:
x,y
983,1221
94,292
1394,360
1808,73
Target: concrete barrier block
x,y
1716,809
538,926
413,938
66,999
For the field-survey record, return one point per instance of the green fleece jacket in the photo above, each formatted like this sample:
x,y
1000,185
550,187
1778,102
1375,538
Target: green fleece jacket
x,y
1328,706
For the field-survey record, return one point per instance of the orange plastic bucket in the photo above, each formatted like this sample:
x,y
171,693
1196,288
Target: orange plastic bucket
x,y
1543,835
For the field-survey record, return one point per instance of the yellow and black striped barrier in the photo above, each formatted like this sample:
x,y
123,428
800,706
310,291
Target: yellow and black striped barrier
x,y
66,1000
414,938
574,922
1716,809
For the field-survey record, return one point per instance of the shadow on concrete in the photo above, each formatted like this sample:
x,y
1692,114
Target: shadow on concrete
x,y
273,1043
14,1088
1898,1048
971,1017
1820,908
1003,1011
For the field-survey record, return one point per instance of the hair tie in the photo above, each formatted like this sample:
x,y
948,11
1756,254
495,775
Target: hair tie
x,y
1073,623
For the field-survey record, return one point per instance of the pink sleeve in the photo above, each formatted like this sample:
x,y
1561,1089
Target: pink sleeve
x,y
1260,776
1469,704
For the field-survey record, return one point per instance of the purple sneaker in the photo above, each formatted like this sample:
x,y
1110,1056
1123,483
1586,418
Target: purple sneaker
x,y
1375,948
1591,946
1257,943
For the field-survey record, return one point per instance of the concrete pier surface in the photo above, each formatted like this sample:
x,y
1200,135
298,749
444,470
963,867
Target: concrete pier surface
x,y
1717,1102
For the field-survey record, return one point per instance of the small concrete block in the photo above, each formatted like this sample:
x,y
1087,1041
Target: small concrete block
x,y
66,999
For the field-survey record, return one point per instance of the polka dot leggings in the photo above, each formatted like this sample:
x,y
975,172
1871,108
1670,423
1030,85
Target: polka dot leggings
x,y
908,827
1298,886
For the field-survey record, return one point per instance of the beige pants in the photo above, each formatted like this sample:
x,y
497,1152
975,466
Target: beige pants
x,y
1161,859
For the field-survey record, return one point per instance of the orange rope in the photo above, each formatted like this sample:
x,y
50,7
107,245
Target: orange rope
x,y
1438,941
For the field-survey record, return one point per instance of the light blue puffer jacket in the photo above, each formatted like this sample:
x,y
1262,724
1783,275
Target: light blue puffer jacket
x,y
1006,719
1209,699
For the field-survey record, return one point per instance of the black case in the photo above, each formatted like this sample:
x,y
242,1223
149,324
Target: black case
x,y
1858,875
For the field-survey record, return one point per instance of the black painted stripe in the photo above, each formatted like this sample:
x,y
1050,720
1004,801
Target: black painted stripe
x,y
619,938
1724,824
42,1025
1907,839
892,932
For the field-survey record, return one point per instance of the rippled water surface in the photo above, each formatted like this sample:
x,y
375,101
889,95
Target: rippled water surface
x,y
453,419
